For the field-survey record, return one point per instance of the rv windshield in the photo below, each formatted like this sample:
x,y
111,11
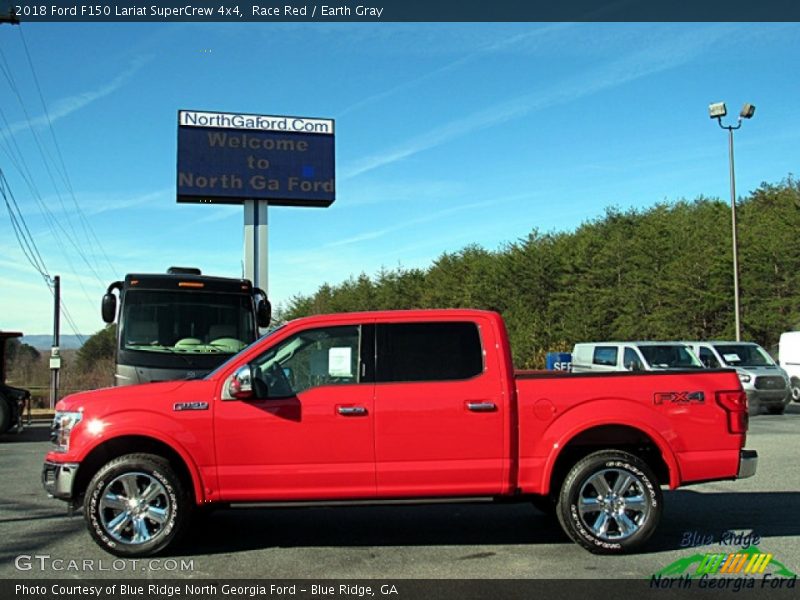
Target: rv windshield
x,y
669,356
744,355
186,322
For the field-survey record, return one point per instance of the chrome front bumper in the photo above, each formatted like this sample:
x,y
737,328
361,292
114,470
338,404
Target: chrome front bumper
x,y
58,478
748,461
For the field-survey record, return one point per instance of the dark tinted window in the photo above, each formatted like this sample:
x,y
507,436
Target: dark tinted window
x,y
605,355
708,359
631,360
428,351
668,356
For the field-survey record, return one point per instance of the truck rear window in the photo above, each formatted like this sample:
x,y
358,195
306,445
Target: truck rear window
x,y
428,351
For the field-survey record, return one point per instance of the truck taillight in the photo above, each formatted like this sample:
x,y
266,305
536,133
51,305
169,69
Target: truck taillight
x,y
735,404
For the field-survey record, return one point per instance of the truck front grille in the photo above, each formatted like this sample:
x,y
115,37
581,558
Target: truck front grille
x,y
770,383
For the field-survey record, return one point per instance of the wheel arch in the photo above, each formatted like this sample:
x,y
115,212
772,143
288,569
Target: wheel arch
x,y
640,441
129,444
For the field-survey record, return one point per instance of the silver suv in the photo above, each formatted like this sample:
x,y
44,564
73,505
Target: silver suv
x,y
766,384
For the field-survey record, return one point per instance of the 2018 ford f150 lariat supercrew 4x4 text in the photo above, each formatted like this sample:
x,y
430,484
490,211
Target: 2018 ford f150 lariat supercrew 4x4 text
x,y
391,405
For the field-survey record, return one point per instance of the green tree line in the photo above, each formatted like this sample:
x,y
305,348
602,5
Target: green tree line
x,y
664,272
90,367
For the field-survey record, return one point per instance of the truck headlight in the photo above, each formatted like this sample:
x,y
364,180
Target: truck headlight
x,y
62,428
744,377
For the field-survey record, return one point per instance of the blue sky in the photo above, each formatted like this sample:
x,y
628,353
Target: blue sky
x,y
446,135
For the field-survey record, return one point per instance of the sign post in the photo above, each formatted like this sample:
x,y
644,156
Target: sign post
x,y
255,242
256,161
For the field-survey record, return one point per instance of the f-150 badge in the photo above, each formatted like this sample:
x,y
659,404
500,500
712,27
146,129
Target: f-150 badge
x,y
190,406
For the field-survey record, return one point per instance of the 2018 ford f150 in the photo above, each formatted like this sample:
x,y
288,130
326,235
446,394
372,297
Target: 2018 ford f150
x,y
394,405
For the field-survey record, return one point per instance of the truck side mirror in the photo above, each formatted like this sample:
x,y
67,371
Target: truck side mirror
x,y
108,307
264,313
240,386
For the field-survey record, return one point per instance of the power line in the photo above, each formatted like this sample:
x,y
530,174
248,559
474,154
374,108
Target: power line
x,y
45,156
86,225
50,219
21,231
28,246
73,239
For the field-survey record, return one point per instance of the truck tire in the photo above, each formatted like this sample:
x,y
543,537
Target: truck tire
x,y
610,502
795,389
136,505
5,415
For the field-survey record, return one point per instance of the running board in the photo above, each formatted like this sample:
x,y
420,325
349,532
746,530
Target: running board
x,y
389,502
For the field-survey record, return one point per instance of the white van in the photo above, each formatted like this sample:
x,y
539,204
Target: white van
x,y
632,356
789,358
765,383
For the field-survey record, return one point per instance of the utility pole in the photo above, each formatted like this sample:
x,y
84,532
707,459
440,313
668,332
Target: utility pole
x,y
55,352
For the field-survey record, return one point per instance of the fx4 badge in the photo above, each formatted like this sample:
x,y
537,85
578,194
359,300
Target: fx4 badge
x,y
679,398
190,406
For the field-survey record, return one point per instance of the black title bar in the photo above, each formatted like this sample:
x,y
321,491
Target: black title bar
x,y
374,11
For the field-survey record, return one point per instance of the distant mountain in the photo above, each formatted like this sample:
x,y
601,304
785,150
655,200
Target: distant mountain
x,y
44,342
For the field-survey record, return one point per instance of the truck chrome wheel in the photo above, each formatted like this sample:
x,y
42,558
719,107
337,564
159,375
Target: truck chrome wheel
x,y
134,508
612,504
137,505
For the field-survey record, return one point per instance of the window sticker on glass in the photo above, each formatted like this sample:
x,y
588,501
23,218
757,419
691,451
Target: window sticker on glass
x,y
339,362
731,358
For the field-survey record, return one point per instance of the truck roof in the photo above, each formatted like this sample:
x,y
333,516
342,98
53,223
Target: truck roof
x,y
635,343
726,342
427,314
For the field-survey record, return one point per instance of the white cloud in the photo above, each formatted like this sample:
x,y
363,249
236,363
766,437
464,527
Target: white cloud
x,y
485,49
64,107
665,54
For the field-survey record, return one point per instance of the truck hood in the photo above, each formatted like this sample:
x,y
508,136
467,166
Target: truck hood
x,y
103,401
766,370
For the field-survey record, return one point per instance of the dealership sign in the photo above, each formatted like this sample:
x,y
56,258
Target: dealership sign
x,y
229,158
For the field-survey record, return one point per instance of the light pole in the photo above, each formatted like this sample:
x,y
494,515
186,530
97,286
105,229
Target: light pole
x,y
717,111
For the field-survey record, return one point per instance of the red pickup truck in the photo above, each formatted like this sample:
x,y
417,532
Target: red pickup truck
x,y
388,405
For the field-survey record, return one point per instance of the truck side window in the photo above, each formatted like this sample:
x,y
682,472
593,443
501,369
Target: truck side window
x,y
631,361
708,359
605,356
444,351
310,358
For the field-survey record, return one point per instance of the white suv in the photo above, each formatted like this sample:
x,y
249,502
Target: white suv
x,y
632,356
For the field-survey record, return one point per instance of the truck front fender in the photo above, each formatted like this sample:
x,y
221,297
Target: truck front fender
x,y
141,430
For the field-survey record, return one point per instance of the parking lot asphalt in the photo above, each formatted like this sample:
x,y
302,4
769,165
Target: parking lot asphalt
x,y
38,540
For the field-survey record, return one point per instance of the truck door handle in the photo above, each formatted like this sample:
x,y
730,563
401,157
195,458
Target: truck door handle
x,y
481,406
351,411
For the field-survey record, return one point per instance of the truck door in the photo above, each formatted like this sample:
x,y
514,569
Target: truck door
x,y
439,411
308,433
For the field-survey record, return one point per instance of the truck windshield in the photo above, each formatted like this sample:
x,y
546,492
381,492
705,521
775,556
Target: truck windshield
x,y
744,355
669,356
186,322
